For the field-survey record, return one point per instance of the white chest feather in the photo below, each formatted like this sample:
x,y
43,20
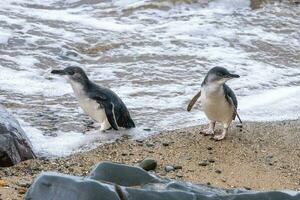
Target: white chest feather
x,y
89,106
215,105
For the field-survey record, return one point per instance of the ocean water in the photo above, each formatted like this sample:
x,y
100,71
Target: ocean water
x,y
153,53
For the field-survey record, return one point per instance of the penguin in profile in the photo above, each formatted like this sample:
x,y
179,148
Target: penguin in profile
x,y
100,103
218,101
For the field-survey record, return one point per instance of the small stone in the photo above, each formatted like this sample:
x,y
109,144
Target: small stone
x,y
179,175
148,144
211,160
189,158
248,188
209,148
203,164
148,164
2,183
169,168
23,184
218,171
147,129
124,154
208,183
165,144
21,190
139,141
177,167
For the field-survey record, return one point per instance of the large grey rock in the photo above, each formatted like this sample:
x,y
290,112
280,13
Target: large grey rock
x,y
120,174
54,186
14,144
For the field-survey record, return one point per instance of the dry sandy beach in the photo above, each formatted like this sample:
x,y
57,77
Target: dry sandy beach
x,y
261,156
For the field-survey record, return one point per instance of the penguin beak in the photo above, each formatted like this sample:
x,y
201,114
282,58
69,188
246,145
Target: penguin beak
x,y
233,76
59,72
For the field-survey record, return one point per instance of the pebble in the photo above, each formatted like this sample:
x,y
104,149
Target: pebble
x,y
139,141
169,168
177,167
148,164
179,175
218,171
2,183
148,144
165,144
209,148
211,160
21,190
203,164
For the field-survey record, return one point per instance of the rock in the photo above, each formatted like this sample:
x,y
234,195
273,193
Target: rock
x,y
14,144
122,174
179,175
169,168
203,164
2,183
218,171
165,144
50,186
21,190
149,144
148,164
211,160
209,148
177,167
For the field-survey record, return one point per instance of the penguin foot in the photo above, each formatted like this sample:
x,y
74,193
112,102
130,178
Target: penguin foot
x,y
208,132
220,136
210,129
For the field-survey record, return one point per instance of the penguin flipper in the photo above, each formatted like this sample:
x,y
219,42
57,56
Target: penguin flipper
x,y
193,101
110,114
231,98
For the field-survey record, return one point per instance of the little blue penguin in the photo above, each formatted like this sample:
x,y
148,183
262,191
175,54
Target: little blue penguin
x,y
218,101
100,103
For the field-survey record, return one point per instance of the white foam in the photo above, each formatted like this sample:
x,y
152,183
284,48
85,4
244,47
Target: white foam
x,y
65,143
28,82
4,36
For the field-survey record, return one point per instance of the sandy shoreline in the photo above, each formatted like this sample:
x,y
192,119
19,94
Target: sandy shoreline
x,y
261,156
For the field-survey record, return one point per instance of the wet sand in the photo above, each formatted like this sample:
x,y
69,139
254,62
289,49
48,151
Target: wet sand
x,y
261,156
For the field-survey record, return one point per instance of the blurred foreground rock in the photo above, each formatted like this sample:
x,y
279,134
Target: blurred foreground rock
x,y
14,144
112,181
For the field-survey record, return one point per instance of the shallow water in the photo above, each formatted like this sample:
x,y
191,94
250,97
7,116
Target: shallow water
x,y
153,53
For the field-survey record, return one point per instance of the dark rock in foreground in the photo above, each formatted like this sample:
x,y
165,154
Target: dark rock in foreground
x,y
122,174
111,179
14,144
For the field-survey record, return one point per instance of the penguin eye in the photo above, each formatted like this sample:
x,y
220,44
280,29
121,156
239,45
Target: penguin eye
x,y
71,73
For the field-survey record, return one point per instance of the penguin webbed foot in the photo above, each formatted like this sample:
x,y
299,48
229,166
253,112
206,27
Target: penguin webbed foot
x,y
221,136
210,129
207,131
